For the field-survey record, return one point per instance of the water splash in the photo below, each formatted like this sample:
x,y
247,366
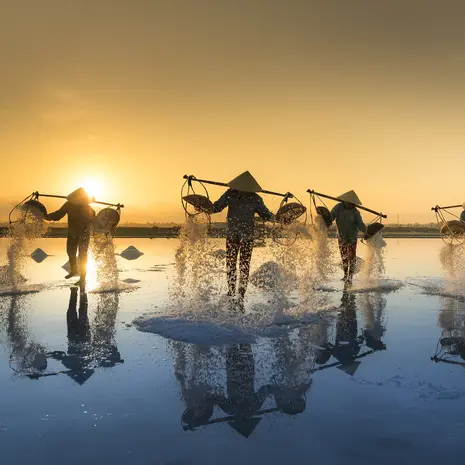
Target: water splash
x,y
453,262
20,235
200,275
306,257
373,266
103,252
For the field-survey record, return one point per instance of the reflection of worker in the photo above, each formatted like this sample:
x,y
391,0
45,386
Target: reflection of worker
x,y
347,344
79,339
349,222
84,351
80,216
243,202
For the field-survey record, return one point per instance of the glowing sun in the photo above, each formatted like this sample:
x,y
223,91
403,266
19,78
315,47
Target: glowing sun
x,y
93,188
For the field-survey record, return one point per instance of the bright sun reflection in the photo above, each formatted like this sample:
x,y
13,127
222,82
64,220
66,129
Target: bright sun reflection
x,y
93,188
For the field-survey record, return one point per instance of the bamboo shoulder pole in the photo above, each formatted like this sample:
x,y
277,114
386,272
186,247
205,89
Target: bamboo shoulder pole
x,y
223,184
437,207
38,194
338,200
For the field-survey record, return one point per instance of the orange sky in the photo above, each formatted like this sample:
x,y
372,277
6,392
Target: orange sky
x,y
331,95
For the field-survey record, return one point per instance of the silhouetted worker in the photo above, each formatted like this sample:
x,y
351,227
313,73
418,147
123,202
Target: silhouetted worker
x,y
243,202
349,222
80,216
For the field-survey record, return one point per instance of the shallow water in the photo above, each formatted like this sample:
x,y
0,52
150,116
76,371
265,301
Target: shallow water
x,y
349,380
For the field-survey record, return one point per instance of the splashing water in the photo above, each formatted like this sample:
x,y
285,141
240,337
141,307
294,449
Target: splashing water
x,y
373,266
199,272
306,258
453,262
103,252
20,234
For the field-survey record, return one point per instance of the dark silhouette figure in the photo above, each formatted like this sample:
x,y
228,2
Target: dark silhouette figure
x,y
349,222
242,402
243,203
79,340
347,343
80,216
86,350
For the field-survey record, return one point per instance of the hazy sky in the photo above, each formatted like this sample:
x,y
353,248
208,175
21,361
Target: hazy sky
x,y
331,94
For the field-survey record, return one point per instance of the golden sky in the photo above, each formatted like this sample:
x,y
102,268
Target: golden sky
x,y
331,95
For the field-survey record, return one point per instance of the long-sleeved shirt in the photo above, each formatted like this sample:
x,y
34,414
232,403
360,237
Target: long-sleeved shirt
x,y
242,207
348,221
79,217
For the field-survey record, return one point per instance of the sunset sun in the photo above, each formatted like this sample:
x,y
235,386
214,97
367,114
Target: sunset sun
x,y
93,188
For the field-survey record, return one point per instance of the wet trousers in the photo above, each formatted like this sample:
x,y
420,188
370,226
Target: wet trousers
x,y
73,246
234,247
349,256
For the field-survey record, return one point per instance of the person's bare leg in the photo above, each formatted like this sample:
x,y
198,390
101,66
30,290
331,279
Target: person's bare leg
x,y
352,260
83,257
232,250
344,258
244,266
71,250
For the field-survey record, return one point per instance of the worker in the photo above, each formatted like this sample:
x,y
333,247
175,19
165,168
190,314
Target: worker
x,y
462,215
349,222
243,202
80,216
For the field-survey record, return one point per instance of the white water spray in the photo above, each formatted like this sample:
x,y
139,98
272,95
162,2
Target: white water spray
x,y
20,235
103,252
373,266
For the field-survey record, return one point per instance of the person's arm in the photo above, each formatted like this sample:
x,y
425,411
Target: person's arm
x,y
59,214
262,211
221,203
359,222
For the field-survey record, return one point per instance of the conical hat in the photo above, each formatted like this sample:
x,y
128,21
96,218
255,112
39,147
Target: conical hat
x,y
350,197
79,196
245,182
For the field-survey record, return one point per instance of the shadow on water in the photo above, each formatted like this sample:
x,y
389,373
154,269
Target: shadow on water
x,y
239,384
90,345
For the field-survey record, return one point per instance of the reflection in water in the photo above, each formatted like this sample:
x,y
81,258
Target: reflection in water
x,y
90,345
348,341
451,344
214,382
26,356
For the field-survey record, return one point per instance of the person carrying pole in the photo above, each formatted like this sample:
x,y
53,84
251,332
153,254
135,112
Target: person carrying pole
x,y
80,216
349,222
243,202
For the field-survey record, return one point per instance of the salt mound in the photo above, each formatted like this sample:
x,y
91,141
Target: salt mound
x,y
268,276
382,285
131,253
38,255
192,331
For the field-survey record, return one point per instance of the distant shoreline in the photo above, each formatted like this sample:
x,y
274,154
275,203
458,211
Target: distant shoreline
x,y
155,232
